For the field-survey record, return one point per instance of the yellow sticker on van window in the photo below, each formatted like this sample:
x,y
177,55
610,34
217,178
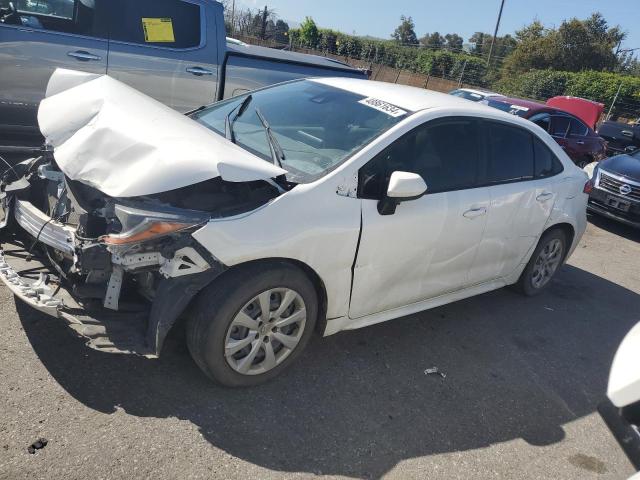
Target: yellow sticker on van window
x,y
158,30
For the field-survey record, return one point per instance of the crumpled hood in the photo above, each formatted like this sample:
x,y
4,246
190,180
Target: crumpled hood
x,y
126,144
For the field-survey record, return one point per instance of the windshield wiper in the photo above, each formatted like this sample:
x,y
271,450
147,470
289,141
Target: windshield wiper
x,y
228,122
276,150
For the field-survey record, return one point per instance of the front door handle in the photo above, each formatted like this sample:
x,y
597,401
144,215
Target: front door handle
x,y
84,56
199,71
544,197
580,142
475,213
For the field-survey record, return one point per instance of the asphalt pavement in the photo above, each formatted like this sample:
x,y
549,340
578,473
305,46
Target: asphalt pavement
x,y
523,379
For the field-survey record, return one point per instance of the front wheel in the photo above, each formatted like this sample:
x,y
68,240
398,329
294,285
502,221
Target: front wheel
x,y
544,263
247,328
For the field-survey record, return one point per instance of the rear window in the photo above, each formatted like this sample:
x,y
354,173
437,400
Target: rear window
x,y
162,23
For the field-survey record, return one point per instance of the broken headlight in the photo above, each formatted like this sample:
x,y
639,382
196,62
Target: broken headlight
x,y
140,225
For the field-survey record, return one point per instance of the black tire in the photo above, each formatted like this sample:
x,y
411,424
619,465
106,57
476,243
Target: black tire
x,y
218,304
525,284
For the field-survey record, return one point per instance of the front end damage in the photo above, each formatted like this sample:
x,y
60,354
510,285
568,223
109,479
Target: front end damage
x,y
119,271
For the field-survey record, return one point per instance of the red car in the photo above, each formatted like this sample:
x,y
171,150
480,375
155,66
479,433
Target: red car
x,y
581,143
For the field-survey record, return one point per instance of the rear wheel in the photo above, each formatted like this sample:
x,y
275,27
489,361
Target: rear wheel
x,y
544,263
248,328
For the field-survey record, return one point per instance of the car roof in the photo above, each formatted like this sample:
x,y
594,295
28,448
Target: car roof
x,y
403,96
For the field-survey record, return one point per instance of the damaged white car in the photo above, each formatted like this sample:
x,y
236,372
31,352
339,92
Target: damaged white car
x,y
316,205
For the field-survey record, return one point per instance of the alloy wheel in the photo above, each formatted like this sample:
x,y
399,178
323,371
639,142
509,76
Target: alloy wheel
x,y
265,331
547,263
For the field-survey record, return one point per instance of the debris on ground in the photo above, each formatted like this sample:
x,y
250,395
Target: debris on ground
x,y
435,371
37,445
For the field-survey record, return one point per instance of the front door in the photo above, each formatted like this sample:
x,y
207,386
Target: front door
x,y
427,247
41,37
167,49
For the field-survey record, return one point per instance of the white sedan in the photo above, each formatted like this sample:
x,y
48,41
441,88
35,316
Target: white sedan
x,y
313,206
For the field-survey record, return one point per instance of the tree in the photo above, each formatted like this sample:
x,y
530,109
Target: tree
x,y
574,46
433,40
309,32
454,41
405,34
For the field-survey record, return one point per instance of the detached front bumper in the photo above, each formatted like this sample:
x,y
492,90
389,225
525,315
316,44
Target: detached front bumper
x,y
627,435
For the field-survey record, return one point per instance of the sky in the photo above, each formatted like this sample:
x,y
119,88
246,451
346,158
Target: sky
x,y
379,18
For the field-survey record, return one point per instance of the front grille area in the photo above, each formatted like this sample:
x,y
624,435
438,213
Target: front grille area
x,y
611,184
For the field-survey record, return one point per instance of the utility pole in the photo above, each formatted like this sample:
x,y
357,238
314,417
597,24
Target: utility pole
x,y
495,33
263,32
462,73
233,18
614,102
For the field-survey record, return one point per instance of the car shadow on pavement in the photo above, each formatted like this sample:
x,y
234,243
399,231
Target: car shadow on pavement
x,y
358,403
617,228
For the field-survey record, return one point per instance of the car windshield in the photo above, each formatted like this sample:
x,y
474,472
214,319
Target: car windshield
x,y
317,127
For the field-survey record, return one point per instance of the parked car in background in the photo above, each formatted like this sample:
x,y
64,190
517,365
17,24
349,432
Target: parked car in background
x,y
621,410
620,137
473,94
315,205
588,111
581,143
614,190
173,50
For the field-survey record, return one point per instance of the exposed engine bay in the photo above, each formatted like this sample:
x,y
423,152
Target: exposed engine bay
x,y
106,265
97,230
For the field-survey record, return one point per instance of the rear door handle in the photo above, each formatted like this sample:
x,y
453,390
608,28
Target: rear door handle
x,y
84,56
544,197
475,212
580,142
199,71
627,133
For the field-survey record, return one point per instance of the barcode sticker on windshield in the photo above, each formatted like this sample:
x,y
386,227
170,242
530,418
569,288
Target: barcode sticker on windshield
x,y
385,107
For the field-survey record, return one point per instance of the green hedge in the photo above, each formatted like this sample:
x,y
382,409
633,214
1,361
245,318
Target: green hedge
x,y
598,86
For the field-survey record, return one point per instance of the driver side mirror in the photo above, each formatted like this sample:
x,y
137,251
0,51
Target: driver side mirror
x,y
403,187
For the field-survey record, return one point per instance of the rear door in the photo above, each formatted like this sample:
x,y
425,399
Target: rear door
x,y
167,49
47,34
519,171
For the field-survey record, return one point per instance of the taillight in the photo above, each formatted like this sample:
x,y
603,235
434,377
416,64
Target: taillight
x,y
588,187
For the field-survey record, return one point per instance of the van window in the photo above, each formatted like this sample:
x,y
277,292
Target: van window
x,y
163,23
66,16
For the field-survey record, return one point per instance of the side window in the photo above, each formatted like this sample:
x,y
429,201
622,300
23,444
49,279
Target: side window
x,y
67,16
547,164
560,126
543,120
510,153
444,152
164,23
578,128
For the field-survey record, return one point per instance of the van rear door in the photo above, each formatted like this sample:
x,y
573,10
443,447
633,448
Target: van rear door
x,y
167,49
